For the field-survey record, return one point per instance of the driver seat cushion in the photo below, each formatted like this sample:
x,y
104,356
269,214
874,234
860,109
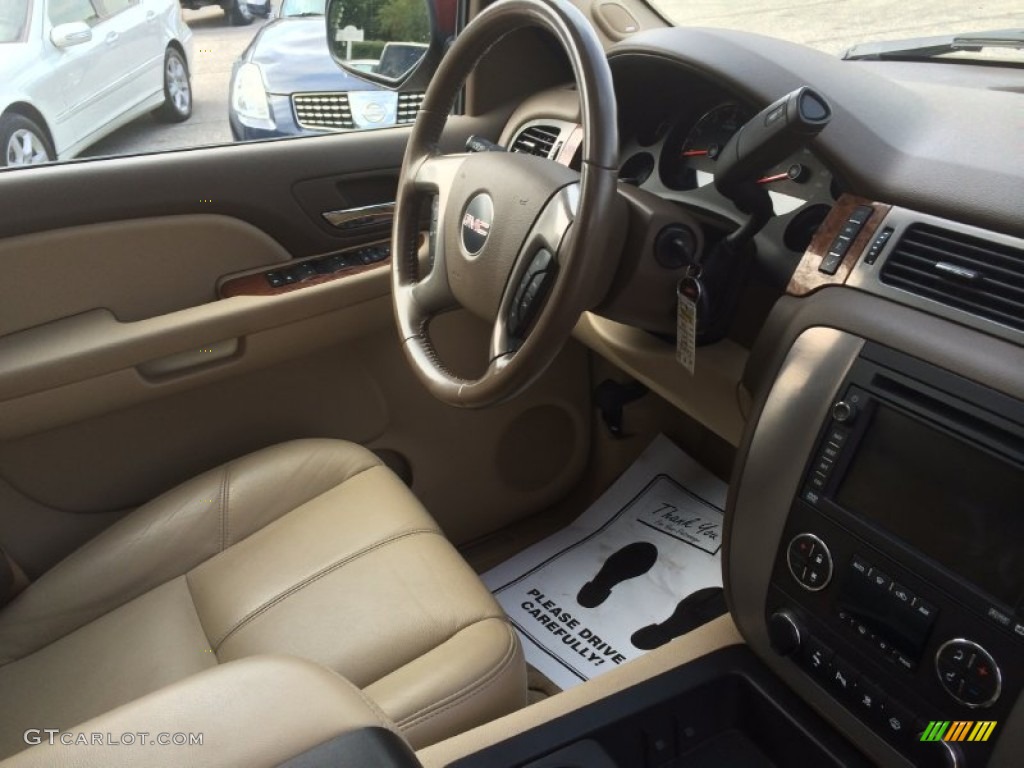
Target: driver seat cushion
x,y
311,549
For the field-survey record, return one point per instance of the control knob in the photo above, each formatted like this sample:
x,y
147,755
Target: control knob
x,y
844,412
784,633
968,673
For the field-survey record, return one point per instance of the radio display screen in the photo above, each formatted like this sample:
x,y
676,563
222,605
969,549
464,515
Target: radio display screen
x,y
953,501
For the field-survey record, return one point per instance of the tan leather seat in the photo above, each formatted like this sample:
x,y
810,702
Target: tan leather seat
x,y
258,712
311,549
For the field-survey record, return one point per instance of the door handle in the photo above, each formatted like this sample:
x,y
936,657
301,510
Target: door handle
x,y
361,218
151,16
110,38
193,359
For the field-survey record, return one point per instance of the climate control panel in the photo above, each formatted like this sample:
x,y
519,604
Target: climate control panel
x,y
968,673
810,562
884,638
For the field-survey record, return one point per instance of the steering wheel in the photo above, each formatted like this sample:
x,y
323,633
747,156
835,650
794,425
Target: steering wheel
x,y
520,241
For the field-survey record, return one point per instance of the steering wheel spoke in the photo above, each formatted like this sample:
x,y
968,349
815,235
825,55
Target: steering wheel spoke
x,y
426,292
432,294
436,173
536,269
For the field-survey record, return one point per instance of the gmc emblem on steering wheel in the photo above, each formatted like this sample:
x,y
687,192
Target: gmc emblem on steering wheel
x,y
476,223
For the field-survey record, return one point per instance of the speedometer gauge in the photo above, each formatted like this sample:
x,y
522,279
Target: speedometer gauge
x,y
690,157
704,142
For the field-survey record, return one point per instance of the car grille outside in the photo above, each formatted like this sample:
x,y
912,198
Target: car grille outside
x,y
409,104
322,111
332,111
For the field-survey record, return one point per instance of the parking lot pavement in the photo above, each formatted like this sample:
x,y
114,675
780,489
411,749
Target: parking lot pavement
x,y
831,25
835,25
216,45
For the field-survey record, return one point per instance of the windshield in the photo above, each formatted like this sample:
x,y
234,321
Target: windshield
x,y
303,8
13,20
834,26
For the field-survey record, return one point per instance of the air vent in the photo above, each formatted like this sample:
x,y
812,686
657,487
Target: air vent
x,y
967,273
537,140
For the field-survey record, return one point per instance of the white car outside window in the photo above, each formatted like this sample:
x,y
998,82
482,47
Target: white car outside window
x,y
72,71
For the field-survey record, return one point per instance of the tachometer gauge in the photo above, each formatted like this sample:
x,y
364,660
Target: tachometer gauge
x,y
705,141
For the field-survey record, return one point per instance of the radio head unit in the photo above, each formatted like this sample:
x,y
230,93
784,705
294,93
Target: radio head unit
x,y
899,581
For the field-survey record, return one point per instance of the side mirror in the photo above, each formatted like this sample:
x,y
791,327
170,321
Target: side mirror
x,y
68,35
384,41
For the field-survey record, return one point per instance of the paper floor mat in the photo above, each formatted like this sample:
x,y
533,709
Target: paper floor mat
x,y
579,597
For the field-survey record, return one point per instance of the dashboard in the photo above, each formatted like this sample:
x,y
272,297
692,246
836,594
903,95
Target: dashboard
x,y
888,282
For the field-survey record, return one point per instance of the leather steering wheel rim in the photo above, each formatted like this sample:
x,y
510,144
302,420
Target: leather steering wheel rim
x,y
535,204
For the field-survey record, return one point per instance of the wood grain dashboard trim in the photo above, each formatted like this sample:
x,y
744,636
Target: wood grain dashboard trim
x,y
257,285
806,278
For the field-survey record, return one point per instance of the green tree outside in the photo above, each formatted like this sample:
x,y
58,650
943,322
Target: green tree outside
x,y
405,21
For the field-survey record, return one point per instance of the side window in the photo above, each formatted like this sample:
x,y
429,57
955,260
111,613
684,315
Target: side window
x,y
68,11
13,20
114,7
258,70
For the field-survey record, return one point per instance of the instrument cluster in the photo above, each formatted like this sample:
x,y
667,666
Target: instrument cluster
x,y
676,157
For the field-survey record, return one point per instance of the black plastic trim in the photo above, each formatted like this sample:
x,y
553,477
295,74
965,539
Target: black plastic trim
x,y
377,747
653,700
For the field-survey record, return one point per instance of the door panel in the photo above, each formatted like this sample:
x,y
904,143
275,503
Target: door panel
x,y
124,272
475,470
137,270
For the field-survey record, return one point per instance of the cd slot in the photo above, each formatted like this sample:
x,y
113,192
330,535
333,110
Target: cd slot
x,y
960,418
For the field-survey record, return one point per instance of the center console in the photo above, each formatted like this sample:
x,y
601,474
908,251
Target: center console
x,y
874,570
898,583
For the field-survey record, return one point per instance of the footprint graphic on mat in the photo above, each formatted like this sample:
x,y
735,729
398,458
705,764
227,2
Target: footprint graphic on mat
x,y
627,563
693,610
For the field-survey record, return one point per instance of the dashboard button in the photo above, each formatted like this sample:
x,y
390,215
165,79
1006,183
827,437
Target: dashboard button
x,y
968,673
830,451
850,229
923,608
861,214
824,466
860,566
817,657
903,595
952,681
838,436
903,661
814,578
880,579
877,245
999,617
861,630
830,264
842,677
897,721
809,561
868,700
